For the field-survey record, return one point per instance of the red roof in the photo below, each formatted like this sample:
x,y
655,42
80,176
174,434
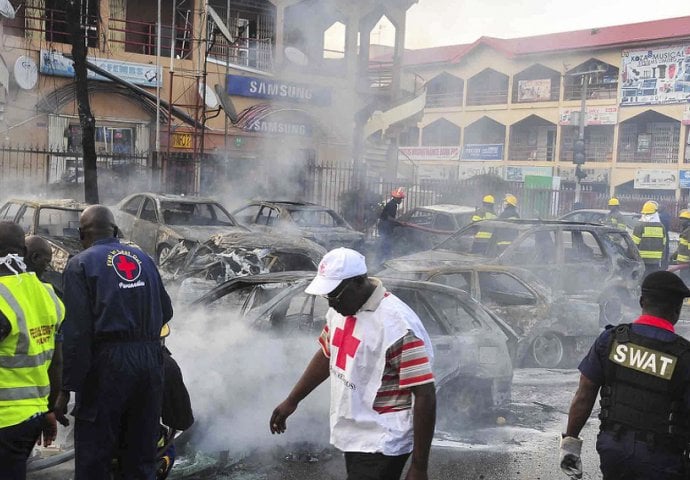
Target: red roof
x,y
590,39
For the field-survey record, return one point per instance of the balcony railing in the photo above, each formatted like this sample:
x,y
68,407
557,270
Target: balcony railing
x,y
531,154
603,91
51,25
487,97
256,53
445,99
593,153
141,37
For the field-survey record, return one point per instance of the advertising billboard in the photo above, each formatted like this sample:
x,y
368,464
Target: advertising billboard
x,y
534,90
656,179
595,116
470,170
656,75
476,151
423,154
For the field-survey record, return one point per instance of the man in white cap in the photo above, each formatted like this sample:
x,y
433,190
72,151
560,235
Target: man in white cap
x,y
378,356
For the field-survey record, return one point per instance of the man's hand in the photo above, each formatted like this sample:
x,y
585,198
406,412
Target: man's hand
x,y
60,408
416,473
570,457
49,431
280,415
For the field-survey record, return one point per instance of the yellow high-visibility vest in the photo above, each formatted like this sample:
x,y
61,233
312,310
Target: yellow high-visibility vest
x,y
34,313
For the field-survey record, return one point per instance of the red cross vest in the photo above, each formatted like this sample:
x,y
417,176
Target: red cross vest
x,y
358,348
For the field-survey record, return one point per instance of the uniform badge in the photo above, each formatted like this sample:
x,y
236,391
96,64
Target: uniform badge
x,y
127,266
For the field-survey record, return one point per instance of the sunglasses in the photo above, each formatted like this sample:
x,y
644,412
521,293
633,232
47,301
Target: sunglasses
x,y
336,298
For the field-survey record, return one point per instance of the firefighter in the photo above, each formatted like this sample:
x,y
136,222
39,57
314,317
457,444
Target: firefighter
x,y
387,222
486,211
614,217
650,237
509,207
642,372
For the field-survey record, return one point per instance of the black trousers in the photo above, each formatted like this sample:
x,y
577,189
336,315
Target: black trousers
x,y
374,466
16,443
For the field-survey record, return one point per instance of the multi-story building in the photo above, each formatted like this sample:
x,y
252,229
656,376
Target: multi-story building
x,y
246,92
510,107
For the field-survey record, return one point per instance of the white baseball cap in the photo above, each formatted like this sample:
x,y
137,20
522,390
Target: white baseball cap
x,y
337,265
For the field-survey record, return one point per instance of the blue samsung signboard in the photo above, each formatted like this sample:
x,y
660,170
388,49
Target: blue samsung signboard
x,y
273,89
684,179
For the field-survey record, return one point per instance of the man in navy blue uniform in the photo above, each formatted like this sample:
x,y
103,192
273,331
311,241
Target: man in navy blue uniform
x,y
642,371
113,359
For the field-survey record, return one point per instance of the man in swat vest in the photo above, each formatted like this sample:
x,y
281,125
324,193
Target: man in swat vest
x,y
643,371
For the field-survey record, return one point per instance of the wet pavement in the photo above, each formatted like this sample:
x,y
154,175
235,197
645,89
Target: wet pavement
x,y
520,442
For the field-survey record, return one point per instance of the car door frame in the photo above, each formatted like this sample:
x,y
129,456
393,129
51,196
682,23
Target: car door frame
x,y
148,243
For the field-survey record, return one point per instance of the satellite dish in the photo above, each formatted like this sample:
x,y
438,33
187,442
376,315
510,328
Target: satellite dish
x,y
211,98
226,103
25,72
6,9
296,56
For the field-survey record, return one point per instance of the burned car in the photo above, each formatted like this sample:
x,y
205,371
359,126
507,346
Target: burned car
x,y
314,222
157,222
555,331
594,262
223,257
472,362
57,221
423,228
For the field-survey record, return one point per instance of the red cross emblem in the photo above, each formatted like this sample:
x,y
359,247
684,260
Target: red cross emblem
x,y
126,267
347,344
322,268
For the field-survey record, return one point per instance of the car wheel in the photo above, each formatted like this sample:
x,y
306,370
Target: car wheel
x,y
548,350
163,251
611,304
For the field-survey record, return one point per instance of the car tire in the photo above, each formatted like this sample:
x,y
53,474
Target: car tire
x,y
163,250
549,350
611,304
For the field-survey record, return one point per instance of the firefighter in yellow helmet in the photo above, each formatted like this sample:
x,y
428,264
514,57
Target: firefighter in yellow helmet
x,y
510,203
614,217
650,237
30,316
486,211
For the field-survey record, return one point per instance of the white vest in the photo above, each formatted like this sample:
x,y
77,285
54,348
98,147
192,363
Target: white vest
x,y
358,348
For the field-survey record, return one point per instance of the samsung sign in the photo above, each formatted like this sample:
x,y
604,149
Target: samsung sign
x,y
280,128
277,90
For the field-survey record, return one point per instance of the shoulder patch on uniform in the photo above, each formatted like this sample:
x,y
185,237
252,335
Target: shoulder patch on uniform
x,y
642,359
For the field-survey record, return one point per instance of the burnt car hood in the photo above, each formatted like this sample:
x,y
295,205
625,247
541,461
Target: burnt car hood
x,y
432,259
202,233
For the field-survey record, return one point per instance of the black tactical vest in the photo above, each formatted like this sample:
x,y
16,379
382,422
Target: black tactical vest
x,y
644,388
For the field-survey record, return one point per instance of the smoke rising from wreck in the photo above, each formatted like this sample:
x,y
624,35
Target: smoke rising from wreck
x,y
237,375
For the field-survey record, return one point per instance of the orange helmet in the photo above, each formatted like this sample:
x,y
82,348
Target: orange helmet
x,y
398,193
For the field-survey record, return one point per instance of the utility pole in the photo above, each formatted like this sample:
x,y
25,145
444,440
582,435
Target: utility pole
x,y
76,22
579,146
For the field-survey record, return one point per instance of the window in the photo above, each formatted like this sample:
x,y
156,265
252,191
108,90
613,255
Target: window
x,y
313,218
462,318
460,280
132,207
444,222
502,289
9,211
248,214
444,90
26,221
420,217
420,304
148,213
58,222
206,214
298,313
580,246
267,216
56,27
622,244
441,133
535,247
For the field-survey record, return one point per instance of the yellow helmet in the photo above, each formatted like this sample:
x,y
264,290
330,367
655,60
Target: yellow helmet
x,y
613,202
684,214
165,331
511,199
650,207
488,199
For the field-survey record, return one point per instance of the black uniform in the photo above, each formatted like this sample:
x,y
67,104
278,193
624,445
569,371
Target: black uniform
x,y
386,225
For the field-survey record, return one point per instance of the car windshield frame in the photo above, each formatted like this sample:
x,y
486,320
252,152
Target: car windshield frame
x,y
189,214
316,212
70,229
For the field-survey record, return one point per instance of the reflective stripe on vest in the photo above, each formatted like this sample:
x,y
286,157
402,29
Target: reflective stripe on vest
x,y
21,357
20,393
653,232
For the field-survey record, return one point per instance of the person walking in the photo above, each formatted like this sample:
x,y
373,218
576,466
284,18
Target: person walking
x,y
30,316
509,207
387,223
614,217
642,372
486,211
113,358
650,237
378,356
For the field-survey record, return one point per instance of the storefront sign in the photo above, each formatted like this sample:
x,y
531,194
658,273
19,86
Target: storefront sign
x,y
54,63
534,90
279,127
436,172
181,140
684,178
595,116
423,154
473,169
277,90
656,75
594,175
656,179
518,174
478,151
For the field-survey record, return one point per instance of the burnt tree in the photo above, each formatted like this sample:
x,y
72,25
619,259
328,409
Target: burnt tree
x,y
75,17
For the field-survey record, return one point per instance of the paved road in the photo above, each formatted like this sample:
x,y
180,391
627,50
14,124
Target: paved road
x,y
525,447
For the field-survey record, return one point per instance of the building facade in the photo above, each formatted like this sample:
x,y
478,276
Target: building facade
x,y
511,108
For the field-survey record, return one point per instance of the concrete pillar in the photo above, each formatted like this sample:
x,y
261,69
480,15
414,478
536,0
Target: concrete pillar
x,y
279,50
614,157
